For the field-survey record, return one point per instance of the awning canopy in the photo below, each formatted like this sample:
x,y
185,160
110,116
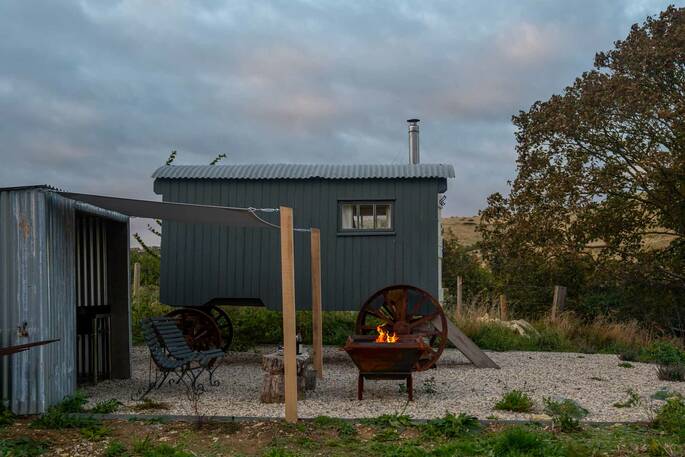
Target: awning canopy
x,y
179,212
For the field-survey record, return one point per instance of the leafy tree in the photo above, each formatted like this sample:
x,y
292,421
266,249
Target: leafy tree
x,y
599,195
458,260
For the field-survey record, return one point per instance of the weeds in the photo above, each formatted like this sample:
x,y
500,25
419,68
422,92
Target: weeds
x,y
515,400
674,373
148,404
626,365
22,447
566,414
451,426
73,403
430,386
62,415
106,406
394,420
6,416
632,400
95,433
522,441
146,448
116,449
278,452
664,394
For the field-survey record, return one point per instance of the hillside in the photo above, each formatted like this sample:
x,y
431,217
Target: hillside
x,y
461,227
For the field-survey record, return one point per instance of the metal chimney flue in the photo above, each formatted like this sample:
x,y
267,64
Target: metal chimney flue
x,y
414,157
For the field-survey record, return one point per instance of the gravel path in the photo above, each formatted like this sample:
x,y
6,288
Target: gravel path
x,y
595,381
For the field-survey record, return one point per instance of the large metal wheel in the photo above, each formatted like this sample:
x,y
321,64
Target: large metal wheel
x,y
199,328
406,310
223,321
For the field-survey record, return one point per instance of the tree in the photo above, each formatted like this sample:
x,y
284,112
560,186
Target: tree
x,y
600,183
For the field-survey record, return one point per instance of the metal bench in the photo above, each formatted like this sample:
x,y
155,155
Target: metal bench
x,y
171,354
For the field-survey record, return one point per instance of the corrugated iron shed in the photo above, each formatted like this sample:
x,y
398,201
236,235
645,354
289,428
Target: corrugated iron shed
x,y
37,294
305,171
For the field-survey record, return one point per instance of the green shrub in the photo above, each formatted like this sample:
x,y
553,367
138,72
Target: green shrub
x,y
664,394
106,406
451,426
674,373
62,415
22,447
394,420
566,414
671,417
73,403
626,365
278,452
664,353
515,400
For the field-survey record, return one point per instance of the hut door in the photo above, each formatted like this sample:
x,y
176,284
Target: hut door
x,y
93,355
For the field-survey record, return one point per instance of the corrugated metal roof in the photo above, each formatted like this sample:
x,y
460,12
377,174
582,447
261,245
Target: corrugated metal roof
x,y
304,171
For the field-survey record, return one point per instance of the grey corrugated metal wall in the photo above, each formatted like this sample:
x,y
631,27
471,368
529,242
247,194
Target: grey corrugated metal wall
x,y
202,262
37,286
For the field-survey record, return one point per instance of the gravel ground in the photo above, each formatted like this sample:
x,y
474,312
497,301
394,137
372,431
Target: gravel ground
x,y
595,381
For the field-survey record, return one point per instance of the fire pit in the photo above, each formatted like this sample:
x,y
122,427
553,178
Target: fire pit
x,y
386,356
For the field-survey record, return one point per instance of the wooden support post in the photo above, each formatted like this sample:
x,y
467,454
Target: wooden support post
x,y
317,321
503,308
288,308
460,309
558,301
136,278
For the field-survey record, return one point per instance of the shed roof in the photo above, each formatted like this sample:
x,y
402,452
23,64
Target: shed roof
x,y
305,171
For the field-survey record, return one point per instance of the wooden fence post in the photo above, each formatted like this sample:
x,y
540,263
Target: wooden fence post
x,y
460,309
503,308
136,278
558,301
288,308
317,324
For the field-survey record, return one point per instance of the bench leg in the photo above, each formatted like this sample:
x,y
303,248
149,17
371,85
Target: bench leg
x,y
360,387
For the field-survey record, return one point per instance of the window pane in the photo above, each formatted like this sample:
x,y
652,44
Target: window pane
x,y
383,217
366,216
348,217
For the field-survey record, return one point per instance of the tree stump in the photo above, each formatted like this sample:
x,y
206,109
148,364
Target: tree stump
x,y
273,385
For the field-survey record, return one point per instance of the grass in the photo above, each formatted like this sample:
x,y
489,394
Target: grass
x,y
6,416
106,406
516,401
633,399
388,435
61,415
22,447
626,365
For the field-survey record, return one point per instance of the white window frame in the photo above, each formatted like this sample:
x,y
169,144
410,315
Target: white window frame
x,y
356,215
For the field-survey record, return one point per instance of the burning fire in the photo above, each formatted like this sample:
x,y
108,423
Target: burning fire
x,y
386,337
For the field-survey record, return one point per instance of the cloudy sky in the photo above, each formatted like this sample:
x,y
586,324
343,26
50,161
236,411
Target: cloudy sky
x,y
94,95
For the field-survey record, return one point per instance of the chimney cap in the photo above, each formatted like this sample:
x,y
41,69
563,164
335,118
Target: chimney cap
x,y
413,120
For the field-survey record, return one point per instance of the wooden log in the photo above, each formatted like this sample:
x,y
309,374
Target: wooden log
x,y
273,384
465,345
558,302
503,308
288,308
136,278
317,320
460,309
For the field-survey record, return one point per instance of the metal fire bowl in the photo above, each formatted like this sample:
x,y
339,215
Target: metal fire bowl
x,y
372,357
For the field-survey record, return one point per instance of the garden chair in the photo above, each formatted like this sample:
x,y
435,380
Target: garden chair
x,y
171,355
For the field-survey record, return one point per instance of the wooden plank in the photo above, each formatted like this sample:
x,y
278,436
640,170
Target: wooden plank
x,y
317,321
558,301
465,345
288,307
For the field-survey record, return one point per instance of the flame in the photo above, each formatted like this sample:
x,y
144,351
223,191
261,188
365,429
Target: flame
x,y
386,337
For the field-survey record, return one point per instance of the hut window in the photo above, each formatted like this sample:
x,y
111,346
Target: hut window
x,y
366,216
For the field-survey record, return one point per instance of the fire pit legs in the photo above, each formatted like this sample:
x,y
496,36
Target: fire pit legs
x,y
406,376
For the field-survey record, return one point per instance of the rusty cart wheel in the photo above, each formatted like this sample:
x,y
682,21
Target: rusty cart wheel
x,y
199,328
406,310
223,321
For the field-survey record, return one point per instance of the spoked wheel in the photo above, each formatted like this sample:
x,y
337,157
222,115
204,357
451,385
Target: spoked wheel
x,y
223,321
199,328
406,310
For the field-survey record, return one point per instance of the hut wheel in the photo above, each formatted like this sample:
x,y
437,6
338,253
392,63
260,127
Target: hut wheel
x,y
406,310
